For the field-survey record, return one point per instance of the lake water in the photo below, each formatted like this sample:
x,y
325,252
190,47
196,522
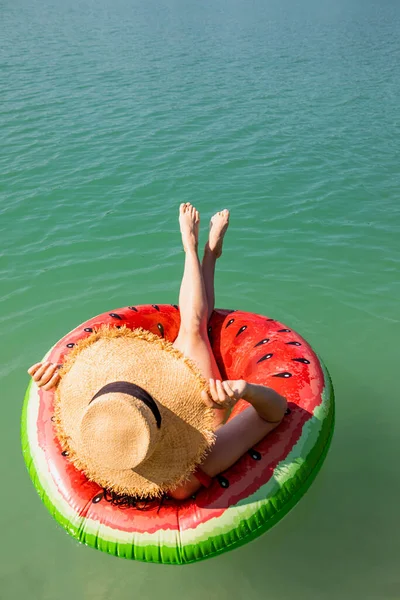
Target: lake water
x,y
285,112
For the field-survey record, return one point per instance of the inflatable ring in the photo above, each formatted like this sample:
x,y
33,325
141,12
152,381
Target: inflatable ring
x,y
244,501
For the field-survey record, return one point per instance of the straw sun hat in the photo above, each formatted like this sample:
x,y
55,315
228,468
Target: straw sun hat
x,y
129,412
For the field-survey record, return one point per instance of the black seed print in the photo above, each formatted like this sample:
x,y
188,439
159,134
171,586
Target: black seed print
x,y
265,357
285,375
175,306
229,323
301,360
133,308
160,329
70,345
293,344
88,329
52,419
270,319
254,454
97,498
118,326
284,330
241,330
264,341
223,482
64,453
115,316
287,411
156,307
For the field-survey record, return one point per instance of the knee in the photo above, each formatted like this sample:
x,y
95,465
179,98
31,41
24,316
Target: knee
x,y
196,328
191,339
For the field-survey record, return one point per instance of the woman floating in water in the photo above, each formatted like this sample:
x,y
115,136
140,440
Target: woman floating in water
x,y
141,416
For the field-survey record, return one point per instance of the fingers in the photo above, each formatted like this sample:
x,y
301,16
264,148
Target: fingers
x,y
52,382
32,370
238,386
228,390
214,391
48,374
220,390
44,374
207,400
40,371
219,394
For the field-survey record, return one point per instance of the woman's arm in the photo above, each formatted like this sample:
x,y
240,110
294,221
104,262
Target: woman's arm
x,y
270,405
241,433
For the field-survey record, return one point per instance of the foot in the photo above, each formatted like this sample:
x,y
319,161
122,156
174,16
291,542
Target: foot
x,y
218,226
189,220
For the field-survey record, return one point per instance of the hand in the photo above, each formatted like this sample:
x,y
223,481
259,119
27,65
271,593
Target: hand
x,y
224,394
238,386
45,375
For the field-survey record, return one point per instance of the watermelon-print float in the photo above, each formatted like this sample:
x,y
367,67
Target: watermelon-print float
x,y
244,501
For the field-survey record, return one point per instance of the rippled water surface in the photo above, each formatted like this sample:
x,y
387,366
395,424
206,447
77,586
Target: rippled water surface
x,y
286,112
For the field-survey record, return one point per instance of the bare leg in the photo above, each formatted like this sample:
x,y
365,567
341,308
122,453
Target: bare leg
x,y
192,295
192,338
213,250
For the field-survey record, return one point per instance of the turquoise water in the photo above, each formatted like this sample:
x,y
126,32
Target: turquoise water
x,y
286,112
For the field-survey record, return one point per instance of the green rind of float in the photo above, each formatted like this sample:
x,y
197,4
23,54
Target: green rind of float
x,y
29,461
247,530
